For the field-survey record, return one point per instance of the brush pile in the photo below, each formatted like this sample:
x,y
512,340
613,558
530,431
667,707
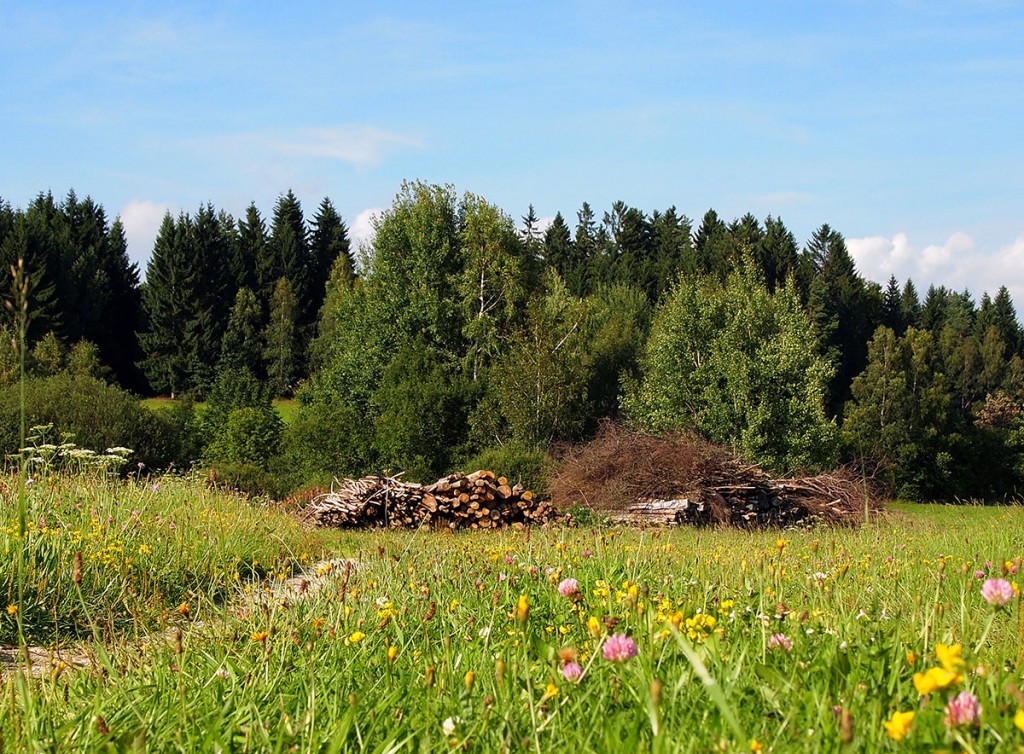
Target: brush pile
x,y
636,477
474,501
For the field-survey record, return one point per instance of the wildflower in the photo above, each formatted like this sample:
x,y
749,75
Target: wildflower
x,y
619,648
911,657
780,641
449,725
756,746
935,679
12,610
183,609
780,544
997,592
392,654
572,671
550,692
569,588
950,657
963,709
222,673
469,680
259,636
594,626
979,574
1018,720
522,611
898,726
355,637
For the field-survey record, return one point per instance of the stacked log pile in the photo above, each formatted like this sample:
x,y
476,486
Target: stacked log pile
x,y
474,501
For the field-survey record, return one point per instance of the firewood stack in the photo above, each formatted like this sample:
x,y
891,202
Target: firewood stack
x,y
458,501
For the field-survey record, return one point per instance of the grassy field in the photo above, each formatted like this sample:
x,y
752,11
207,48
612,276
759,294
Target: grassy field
x,y
586,639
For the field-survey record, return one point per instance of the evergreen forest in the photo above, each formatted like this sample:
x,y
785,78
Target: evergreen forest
x,y
465,337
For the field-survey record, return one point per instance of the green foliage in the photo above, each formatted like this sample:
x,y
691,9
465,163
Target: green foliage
x,y
739,365
240,424
283,345
529,467
900,412
94,414
421,412
540,389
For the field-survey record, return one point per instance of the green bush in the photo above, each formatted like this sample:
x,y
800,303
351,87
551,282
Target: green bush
x,y
96,416
249,479
528,467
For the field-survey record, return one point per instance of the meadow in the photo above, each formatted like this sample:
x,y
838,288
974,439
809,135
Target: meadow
x,y
184,619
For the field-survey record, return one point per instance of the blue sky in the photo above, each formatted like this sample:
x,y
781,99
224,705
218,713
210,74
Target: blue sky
x,y
899,123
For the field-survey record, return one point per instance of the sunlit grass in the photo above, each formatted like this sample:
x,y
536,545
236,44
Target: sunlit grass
x,y
424,645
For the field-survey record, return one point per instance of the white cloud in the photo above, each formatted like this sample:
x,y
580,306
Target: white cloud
x,y
362,231
958,263
358,145
141,220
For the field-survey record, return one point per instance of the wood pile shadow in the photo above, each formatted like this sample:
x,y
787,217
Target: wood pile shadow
x,y
637,477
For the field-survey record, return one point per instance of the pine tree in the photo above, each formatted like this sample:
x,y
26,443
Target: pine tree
x,y
776,252
242,345
167,302
282,339
287,250
250,253
713,246
328,242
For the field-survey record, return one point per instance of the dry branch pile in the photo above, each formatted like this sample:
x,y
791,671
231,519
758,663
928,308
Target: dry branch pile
x,y
475,501
633,476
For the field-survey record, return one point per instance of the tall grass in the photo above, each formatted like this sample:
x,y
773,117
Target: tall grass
x,y
424,646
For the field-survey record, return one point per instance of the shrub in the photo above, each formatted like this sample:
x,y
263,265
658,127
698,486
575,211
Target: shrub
x,y
95,416
528,467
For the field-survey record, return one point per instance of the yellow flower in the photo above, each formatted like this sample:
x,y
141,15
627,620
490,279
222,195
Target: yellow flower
x,y
911,657
522,611
183,609
756,746
260,636
355,637
935,679
392,654
594,626
898,726
551,692
12,610
781,544
1018,720
950,657
454,604
469,679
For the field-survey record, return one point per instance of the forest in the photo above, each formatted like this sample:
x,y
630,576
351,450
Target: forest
x,y
461,337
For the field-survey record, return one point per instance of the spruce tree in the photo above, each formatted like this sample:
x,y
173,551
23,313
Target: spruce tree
x,y
328,242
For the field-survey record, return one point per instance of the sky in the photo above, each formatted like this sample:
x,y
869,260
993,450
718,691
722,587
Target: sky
x,y
898,123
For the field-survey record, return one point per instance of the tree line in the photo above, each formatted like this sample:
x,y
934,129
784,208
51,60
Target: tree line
x,y
465,337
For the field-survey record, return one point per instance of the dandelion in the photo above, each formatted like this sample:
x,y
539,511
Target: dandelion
x,y
619,648
355,637
780,641
260,636
963,710
569,588
997,592
898,726
572,671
